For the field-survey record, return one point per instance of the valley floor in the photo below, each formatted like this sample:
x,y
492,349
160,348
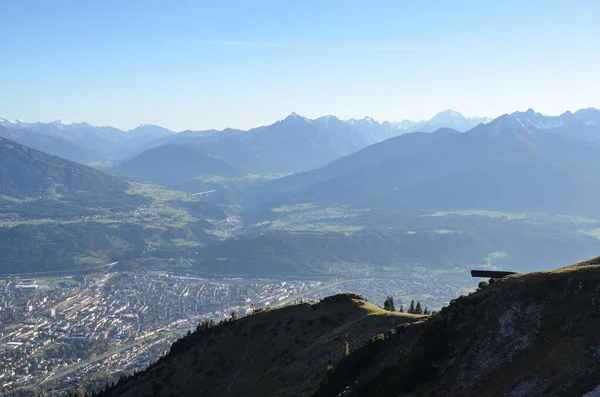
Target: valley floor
x,y
72,331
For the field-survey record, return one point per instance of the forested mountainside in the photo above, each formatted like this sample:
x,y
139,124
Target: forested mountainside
x,y
26,172
172,164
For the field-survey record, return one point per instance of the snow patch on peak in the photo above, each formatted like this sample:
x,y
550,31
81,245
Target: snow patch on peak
x,y
447,115
61,122
294,117
367,120
449,112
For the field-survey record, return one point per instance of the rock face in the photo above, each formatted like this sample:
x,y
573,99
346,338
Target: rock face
x,y
525,335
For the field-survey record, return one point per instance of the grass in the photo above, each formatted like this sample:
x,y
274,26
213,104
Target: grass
x,y
185,243
593,233
278,224
158,193
27,222
574,219
436,231
485,213
580,220
376,310
106,221
294,208
277,349
339,229
444,231
167,214
292,226
494,257
10,198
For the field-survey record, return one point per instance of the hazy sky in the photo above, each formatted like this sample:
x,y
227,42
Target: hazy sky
x,y
198,65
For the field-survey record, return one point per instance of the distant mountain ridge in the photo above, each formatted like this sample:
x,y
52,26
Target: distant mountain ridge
x,y
519,162
110,142
27,172
95,144
290,145
55,146
175,163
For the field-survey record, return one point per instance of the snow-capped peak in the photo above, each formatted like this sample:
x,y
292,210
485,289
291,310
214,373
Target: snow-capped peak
x,y
61,122
367,120
6,122
531,119
448,113
295,116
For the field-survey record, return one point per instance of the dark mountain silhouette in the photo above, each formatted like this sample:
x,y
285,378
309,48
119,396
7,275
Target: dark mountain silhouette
x,y
175,163
512,337
26,172
52,145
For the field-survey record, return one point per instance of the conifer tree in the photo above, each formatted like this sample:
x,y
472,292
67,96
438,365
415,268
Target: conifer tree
x,y
418,309
389,304
346,351
401,308
411,309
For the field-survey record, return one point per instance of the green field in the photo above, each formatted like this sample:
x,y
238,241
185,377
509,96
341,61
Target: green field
x,y
494,257
594,233
294,208
574,219
25,222
10,198
158,193
186,243
445,231
485,213
339,228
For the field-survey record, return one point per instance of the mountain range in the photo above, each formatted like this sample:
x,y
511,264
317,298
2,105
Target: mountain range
x,y
96,145
522,162
298,144
291,145
518,163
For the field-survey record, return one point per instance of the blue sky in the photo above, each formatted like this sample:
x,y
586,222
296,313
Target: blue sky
x,y
199,65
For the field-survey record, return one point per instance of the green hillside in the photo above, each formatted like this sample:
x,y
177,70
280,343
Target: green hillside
x,y
171,164
27,172
287,350
527,335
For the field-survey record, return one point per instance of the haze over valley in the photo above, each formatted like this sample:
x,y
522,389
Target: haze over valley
x,y
297,210
299,199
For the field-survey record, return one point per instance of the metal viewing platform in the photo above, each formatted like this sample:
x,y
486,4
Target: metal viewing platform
x,y
490,273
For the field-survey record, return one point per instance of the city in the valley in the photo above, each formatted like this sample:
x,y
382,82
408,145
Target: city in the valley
x,y
57,331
